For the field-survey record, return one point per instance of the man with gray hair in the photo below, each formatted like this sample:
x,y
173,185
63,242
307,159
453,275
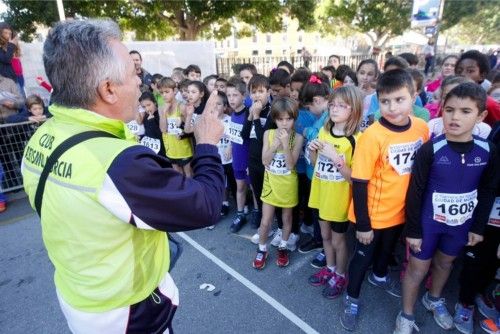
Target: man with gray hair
x,y
107,201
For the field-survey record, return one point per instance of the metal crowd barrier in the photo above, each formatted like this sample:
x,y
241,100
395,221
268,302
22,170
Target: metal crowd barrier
x,y
13,140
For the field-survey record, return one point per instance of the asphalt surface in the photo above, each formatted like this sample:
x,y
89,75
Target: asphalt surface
x,y
241,300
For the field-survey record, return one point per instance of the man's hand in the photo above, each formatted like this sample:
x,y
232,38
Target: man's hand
x,y
365,237
474,239
414,244
208,129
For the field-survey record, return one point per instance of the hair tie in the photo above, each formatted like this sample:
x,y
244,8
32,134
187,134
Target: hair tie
x,y
314,79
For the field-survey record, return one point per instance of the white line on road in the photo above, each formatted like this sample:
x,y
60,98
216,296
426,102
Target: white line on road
x,y
254,288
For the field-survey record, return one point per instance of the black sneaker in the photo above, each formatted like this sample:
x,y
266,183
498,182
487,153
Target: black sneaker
x,y
310,245
238,223
319,261
255,218
224,211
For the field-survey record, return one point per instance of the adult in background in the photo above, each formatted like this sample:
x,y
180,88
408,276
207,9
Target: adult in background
x,y
10,98
7,49
108,203
429,56
146,78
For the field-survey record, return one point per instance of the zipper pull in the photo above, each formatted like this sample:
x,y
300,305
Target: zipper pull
x,y
463,158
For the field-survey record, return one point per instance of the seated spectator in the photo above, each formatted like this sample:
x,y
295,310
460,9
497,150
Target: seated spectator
x,y
10,98
34,111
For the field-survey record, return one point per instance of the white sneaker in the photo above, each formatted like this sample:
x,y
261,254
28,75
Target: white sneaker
x,y
291,244
307,229
277,238
255,238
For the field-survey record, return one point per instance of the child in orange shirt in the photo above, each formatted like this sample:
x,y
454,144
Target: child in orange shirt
x,y
380,174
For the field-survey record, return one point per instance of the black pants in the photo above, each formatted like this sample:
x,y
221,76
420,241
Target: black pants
x,y
230,180
302,207
151,315
479,266
379,251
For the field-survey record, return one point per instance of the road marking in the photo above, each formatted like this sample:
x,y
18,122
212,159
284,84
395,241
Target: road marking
x,y
17,219
254,288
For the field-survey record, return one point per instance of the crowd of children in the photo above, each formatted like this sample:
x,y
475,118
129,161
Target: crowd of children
x,y
334,152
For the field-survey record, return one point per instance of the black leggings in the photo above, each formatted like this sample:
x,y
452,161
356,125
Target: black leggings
x,y
230,180
480,266
304,192
379,251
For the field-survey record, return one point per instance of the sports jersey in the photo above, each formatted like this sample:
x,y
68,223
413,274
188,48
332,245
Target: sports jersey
x,y
280,188
304,120
176,148
239,146
451,197
330,192
383,159
152,134
224,143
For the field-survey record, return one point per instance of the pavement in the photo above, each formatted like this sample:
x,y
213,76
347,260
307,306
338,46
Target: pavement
x,y
220,292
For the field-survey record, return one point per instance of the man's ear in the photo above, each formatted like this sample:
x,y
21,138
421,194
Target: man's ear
x,y
107,92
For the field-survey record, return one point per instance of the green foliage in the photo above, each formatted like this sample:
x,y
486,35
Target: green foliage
x,y
380,19
157,19
481,27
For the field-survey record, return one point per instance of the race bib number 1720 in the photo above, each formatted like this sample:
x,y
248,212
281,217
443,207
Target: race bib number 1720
x,y
401,156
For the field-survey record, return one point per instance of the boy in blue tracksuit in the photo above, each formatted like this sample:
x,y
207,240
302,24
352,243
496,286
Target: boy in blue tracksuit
x,y
448,202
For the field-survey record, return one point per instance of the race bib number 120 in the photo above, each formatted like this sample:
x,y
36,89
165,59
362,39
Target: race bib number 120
x,y
453,209
401,156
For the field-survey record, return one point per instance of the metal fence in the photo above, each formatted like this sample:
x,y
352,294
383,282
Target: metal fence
x,y
13,139
228,66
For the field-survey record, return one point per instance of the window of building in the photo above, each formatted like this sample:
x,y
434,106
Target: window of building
x,y
268,38
254,37
269,52
300,38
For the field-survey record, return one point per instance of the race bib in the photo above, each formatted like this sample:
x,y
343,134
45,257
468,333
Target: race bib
x,y
135,128
173,126
234,133
453,209
194,118
223,145
326,170
253,134
365,123
152,143
401,156
495,213
278,165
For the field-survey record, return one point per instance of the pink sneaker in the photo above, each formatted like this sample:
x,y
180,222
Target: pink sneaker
x,y
321,277
335,287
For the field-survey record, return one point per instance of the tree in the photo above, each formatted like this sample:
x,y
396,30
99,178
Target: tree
x,y
479,28
156,19
471,22
378,19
